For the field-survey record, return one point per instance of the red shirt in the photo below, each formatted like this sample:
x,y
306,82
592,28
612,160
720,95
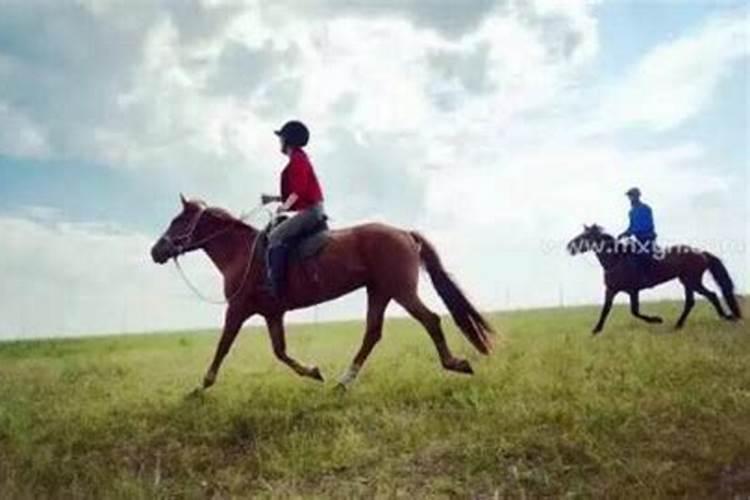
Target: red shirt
x,y
299,178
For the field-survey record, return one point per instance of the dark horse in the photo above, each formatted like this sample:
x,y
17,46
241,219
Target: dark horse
x,y
383,259
681,262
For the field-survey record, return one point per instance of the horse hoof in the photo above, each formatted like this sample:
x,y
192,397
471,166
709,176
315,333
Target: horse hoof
x,y
596,331
461,366
340,388
196,393
656,319
315,373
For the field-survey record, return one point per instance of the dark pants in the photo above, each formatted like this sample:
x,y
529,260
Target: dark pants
x,y
299,223
278,251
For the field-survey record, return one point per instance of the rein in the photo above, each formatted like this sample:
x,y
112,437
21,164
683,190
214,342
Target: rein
x,y
248,267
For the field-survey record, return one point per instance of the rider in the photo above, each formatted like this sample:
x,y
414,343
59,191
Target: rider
x,y
300,193
641,228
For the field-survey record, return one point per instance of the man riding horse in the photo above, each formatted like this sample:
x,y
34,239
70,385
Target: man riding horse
x,y
641,229
300,193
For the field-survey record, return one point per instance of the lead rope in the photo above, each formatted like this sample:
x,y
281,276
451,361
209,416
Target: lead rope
x,y
251,258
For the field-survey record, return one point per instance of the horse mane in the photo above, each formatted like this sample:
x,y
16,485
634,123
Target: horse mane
x,y
222,214
608,238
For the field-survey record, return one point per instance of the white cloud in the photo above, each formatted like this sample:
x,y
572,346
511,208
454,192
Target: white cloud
x,y
73,278
676,80
20,136
148,95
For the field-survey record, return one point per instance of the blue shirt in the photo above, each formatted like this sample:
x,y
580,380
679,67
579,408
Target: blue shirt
x,y
641,221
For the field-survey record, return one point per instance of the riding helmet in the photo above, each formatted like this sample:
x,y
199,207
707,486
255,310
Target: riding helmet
x,y
633,192
294,133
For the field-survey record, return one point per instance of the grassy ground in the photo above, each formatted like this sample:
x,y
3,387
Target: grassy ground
x,y
638,412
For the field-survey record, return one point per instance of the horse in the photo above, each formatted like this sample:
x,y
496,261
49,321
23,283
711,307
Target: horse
x,y
680,262
383,259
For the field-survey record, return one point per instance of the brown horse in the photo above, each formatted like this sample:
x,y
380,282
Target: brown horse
x,y
383,259
679,262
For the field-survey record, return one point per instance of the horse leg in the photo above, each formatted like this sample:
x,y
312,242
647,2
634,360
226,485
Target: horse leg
x,y
689,303
431,322
275,326
635,309
714,300
609,296
232,324
376,305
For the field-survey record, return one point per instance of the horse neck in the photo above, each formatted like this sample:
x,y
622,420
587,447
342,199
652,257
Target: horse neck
x,y
607,255
607,260
228,249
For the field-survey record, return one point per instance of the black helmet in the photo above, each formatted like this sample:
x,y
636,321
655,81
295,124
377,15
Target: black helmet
x,y
634,191
294,133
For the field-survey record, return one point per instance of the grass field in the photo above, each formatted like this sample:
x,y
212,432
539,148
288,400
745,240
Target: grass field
x,y
638,412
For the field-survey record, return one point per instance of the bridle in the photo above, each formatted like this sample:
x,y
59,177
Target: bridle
x,y
176,242
183,243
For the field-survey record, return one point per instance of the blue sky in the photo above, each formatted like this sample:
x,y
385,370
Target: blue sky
x,y
497,129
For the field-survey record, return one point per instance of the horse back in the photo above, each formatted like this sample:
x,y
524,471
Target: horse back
x,y
353,257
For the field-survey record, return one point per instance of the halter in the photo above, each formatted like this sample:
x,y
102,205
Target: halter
x,y
180,248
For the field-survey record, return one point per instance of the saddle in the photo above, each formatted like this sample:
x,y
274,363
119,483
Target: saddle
x,y
640,263
303,246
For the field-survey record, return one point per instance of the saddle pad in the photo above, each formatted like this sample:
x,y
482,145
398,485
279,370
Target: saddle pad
x,y
306,247
310,246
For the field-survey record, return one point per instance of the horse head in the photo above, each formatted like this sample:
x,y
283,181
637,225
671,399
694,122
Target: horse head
x,y
593,238
195,225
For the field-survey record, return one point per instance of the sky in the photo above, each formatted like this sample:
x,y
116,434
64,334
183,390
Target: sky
x,y
495,127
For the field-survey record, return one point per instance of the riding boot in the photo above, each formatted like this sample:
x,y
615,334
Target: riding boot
x,y
276,258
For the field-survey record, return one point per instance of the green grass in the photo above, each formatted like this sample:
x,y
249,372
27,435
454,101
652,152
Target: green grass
x,y
640,411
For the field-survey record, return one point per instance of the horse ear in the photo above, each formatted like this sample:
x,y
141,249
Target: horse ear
x,y
183,199
585,227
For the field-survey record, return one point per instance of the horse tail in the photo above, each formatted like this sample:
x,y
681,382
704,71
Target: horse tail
x,y
471,323
722,278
